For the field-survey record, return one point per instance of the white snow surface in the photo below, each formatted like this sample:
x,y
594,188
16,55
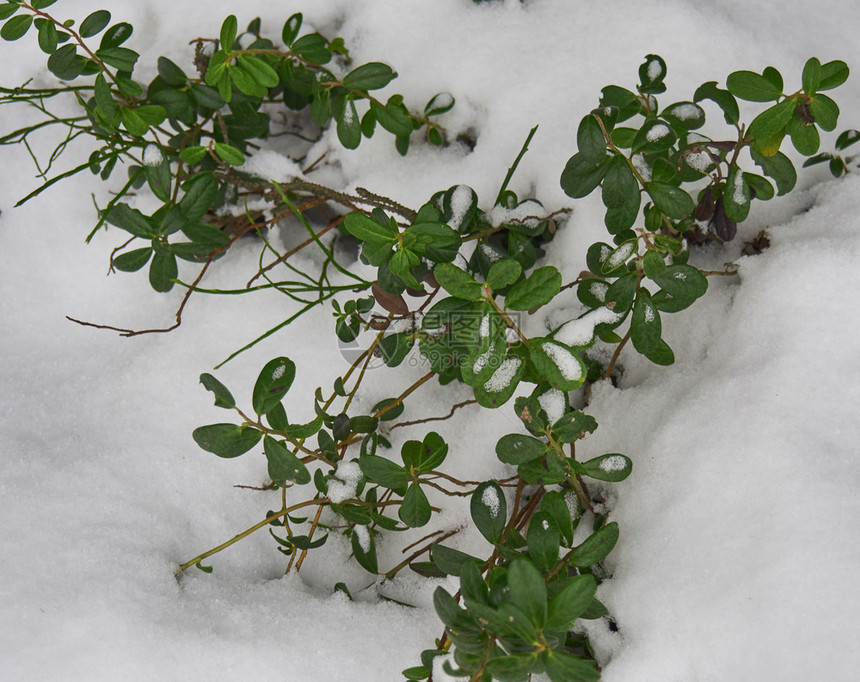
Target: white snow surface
x,y
738,552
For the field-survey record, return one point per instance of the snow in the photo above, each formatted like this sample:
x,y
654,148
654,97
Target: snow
x,y
553,403
461,200
563,359
738,190
349,474
654,69
152,155
700,161
685,111
738,553
620,255
657,132
613,463
580,332
503,376
271,165
490,499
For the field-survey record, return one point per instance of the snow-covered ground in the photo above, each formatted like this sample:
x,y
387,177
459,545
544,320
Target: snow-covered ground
x,y
739,545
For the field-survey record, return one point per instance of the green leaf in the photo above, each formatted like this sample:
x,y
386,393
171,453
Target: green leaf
x,y
645,325
395,347
516,448
611,467
825,112
436,241
503,273
200,191
300,430
752,87
246,83
769,124
457,282
384,472
619,185
513,667
779,167
573,426
223,397
846,139
562,368
48,37
833,74
538,289
366,229
554,504
596,548
528,590
811,77
193,155
163,270
363,424
489,510
451,561
562,667
132,122
283,465
364,549
228,32
544,541
760,187
394,118
672,201
66,64
272,384
680,285
204,234
229,154
590,141
348,125
804,137
8,9
723,99
736,196
415,509
116,35
131,220
226,440
389,413
132,261
371,76
620,294
94,23
416,673
291,28
312,48
440,103
119,57
171,74
570,603
16,27
580,175
258,69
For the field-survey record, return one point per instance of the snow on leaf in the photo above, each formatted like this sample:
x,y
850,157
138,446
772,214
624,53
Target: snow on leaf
x,y
503,376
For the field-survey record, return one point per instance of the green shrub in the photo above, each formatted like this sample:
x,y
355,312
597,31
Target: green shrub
x,y
665,188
